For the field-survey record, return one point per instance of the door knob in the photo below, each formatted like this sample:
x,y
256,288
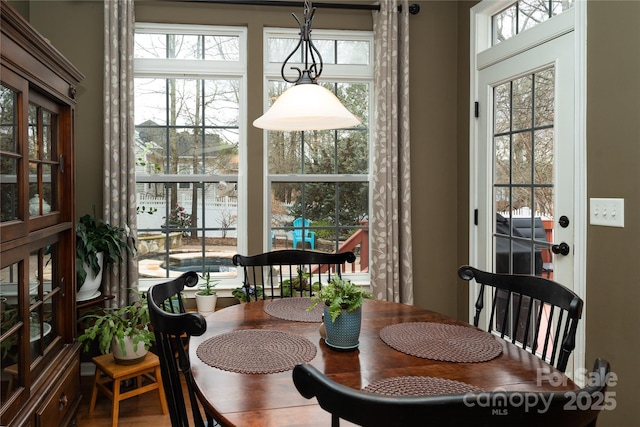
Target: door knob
x,y
561,249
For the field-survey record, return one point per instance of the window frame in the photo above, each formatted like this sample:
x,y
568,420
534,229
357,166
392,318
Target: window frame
x,y
167,68
338,73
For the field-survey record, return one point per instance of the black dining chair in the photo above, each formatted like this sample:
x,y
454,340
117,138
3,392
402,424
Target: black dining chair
x,y
173,327
286,273
492,409
535,313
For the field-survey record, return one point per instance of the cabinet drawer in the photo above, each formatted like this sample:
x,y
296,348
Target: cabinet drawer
x,y
62,399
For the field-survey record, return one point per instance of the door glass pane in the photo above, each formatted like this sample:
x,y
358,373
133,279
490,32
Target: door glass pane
x,y
42,299
10,155
522,103
502,106
524,172
8,141
502,149
10,329
8,188
33,132
47,135
544,97
48,189
34,192
543,156
521,158
43,161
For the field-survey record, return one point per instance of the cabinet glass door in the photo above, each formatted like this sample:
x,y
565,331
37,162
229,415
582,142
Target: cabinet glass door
x,y
43,155
30,286
9,155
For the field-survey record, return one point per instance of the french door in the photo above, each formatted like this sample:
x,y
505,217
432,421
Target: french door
x,y
526,140
523,160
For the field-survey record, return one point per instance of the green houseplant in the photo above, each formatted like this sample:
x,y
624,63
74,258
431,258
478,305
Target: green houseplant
x,y
243,294
340,295
96,240
299,285
119,329
206,296
343,302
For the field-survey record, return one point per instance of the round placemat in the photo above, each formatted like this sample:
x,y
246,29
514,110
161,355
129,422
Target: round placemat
x,y
418,386
439,341
256,351
294,309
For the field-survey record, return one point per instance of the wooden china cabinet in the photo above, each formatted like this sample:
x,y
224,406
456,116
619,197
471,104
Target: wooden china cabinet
x,y
39,358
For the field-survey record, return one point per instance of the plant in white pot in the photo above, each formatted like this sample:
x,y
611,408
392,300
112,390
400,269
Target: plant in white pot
x,y
342,312
123,331
206,295
99,245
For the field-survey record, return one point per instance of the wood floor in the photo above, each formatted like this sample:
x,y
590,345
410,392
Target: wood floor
x,y
138,411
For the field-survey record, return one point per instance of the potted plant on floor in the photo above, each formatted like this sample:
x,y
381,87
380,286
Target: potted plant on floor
x,y
123,331
206,296
342,312
99,245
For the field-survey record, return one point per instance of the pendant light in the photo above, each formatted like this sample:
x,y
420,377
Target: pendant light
x,y
306,105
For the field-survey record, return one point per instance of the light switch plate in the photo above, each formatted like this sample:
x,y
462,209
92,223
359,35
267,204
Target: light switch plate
x,y
607,212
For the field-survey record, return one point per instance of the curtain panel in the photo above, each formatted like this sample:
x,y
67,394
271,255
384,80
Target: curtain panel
x,y
390,225
119,197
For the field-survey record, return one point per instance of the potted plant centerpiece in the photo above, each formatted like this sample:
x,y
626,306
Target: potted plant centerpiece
x,y
206,296
342,312
98,246
123,331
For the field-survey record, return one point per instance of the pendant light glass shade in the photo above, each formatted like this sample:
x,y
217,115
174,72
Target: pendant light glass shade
x,y
304,107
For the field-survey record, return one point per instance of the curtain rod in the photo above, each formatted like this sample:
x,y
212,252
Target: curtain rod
x,y
414,9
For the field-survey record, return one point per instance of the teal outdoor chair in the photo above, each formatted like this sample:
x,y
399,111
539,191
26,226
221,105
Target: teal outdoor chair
x,y
301,235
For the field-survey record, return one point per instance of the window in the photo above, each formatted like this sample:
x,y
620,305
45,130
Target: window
x,y
525,14
321,178
189,109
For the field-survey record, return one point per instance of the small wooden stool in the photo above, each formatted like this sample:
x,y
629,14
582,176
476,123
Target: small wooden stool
x,y
107,371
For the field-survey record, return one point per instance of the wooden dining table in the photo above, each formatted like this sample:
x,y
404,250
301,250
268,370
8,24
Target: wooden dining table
x,y
271,400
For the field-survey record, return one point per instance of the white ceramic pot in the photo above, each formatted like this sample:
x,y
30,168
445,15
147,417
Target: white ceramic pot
x,y
128,356
90,287
206,303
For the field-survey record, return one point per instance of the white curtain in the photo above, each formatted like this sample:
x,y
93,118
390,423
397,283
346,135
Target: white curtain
x,y
119,159
391,253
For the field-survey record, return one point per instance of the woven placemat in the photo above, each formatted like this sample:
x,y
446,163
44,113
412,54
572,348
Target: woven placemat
x,y
418,386
256,351
294,309
438,341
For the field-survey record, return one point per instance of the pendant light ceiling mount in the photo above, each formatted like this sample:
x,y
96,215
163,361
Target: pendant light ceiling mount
x,y
306,105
